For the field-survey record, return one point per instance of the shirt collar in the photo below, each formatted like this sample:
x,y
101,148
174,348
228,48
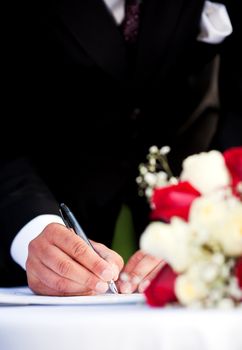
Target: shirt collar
x,y
116,8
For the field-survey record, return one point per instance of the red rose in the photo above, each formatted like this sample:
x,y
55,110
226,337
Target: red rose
x,y
162,288
238,271
233,160
174,200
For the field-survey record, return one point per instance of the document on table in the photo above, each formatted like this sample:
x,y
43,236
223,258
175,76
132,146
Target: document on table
x,y
24,296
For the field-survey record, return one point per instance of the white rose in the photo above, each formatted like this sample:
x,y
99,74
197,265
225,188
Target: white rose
x,y
205,171
220,219
172,242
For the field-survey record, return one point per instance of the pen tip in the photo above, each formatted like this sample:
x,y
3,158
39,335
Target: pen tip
x,y
112,287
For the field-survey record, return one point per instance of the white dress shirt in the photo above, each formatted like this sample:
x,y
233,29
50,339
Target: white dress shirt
x,y
214,27
116,7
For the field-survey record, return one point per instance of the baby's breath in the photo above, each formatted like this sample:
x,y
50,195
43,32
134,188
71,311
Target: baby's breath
x,y
156,172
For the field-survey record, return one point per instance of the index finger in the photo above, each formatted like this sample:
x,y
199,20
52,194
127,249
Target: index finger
x,y
111,257
78,250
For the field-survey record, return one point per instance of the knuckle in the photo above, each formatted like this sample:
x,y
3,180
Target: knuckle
x,y
154,260
61,285
32,247
135,277
64,267
98,265
28,265
79,249
31,284
90,282
51,230
138,256
34,285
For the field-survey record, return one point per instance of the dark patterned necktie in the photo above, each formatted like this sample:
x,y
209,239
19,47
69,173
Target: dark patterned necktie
x,y
130,25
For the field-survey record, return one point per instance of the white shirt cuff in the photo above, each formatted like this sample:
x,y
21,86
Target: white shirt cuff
x,y
19,247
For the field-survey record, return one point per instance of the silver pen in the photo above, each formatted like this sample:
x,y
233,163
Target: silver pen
x,y
71,222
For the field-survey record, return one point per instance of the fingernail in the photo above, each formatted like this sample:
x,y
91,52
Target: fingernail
x,y
107,275
125,288
101,287
124,277
115,271
143,285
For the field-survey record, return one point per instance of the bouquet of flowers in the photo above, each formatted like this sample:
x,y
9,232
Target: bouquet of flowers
x,y
196,227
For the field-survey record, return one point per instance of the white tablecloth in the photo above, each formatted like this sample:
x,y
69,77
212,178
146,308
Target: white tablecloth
x,y
116,327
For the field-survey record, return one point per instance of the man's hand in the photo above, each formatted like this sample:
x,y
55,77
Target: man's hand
x,y
138,272
61,263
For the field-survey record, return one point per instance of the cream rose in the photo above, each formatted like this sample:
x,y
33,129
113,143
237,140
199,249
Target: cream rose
x,y
229,232
172,242
189,288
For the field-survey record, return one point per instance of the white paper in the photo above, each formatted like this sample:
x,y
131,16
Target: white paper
x,y
24,296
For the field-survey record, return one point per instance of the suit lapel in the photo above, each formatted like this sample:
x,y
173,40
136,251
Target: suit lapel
x,y
158,23
95,29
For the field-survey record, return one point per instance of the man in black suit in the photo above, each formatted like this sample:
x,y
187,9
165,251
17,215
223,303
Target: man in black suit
x,y
121,90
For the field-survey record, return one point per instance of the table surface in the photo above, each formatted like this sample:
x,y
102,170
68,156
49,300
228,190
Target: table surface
x,y
126,327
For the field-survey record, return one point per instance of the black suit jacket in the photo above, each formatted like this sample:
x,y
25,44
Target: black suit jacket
x,y
87,108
